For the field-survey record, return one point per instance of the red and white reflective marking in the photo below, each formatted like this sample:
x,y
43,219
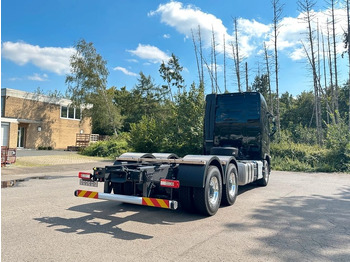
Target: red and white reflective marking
x,y
169,183
144,201
84,175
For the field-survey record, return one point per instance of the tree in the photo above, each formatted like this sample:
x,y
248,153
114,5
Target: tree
x,y
277,12
306,6
261,85
236,56
171,74
268,78
149,93
87,84
336,87
100,123
347,46
143,99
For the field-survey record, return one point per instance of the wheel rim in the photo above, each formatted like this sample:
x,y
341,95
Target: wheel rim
x,y
267,173
232,185
213,191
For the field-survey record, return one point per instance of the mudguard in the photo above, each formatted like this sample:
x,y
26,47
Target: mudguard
x,y
225,161
194,175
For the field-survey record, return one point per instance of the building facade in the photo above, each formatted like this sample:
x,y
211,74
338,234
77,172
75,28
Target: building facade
x,y
31,120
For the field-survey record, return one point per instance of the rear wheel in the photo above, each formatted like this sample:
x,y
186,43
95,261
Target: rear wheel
x,y
207,200
266,175
230,189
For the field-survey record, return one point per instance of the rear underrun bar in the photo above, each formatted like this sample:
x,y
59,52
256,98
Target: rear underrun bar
x,y
143,201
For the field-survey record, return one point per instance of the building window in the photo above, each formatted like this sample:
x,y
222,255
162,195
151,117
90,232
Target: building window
x,y
3,106
77,113
64,111
70,112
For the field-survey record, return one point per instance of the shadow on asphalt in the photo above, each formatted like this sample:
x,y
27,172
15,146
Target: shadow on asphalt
x,y
312,228
106,217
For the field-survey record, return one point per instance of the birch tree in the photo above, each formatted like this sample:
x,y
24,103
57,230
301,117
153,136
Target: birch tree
x,y
87,82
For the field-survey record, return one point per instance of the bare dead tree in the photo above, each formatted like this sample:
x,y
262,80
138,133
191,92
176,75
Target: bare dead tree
x,y
277,13
224,63
201,52
306,6
325,74
214,60
318,52
318,78
210,72
268,77
212,68
348,46
246,77
336,103
196,54
236,58
330,66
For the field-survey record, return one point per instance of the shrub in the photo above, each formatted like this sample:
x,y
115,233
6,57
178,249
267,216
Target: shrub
x,y
109,148
45,148
338,141
289,156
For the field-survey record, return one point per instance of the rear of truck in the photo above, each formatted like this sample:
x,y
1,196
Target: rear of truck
x,y
235,154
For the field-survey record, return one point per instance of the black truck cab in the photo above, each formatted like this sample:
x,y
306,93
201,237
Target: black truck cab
x,y
237,124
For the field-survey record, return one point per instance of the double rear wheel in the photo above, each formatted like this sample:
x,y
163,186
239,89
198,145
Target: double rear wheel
x,y
207,200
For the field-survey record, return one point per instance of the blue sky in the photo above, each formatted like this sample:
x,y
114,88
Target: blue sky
x,y
37,39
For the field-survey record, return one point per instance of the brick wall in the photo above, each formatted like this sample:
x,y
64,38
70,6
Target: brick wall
x,y
55,131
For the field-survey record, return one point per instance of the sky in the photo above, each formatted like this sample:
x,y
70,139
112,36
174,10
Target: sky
x,y
38,38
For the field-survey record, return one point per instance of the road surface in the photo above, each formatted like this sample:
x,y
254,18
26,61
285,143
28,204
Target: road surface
x,y
297,217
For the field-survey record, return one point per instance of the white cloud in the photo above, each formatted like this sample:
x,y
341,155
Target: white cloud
x,y
38,77
187,18
132,60
125,71
293,30
151,53
251,34
15,79
166,36
53,59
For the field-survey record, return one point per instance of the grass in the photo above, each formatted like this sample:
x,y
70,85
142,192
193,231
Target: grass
x,y
35,161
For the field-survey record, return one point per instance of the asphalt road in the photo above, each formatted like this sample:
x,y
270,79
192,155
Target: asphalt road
x,y
297,217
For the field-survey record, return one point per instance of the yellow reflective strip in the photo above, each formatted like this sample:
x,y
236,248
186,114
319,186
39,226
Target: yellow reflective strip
x,y
148,201
93,194
82,193
162,203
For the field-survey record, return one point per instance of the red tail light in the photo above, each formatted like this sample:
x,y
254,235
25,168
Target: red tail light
x,y
84,175
170,183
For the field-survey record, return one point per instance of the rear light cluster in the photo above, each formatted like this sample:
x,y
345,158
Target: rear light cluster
x,y
84,175
169,183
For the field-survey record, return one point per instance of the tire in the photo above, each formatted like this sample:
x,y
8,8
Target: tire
x,y
266,175
207,200
186,199
230,189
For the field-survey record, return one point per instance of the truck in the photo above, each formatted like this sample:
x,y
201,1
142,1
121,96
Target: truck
x,y
236,152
